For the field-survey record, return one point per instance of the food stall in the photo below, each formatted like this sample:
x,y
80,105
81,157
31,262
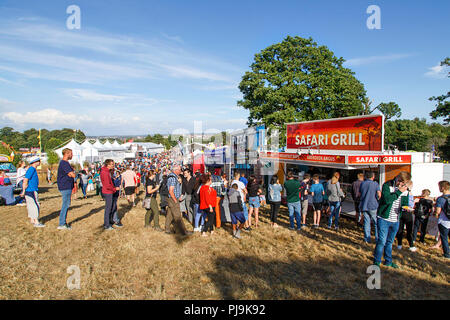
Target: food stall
x,y
350,145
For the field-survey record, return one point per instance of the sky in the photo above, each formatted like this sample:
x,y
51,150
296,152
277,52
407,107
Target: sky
x,y
145,67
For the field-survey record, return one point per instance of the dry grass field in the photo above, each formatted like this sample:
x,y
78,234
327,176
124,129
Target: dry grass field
x,y
138,263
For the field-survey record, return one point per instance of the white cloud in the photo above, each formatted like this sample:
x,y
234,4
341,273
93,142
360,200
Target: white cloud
x,y
46,117
355,62
110,57
90,95
438,72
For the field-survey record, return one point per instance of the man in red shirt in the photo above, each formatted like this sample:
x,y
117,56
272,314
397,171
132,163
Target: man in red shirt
x,y
108,190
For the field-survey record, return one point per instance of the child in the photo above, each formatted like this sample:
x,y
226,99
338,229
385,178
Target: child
x,y
317,192
236,210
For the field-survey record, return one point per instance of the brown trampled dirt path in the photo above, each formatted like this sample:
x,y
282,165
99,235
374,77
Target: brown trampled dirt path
x,y
138,263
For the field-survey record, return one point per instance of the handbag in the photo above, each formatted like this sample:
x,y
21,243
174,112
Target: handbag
x,y
146,203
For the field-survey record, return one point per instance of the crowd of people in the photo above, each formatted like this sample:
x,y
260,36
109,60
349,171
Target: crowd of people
x,y
200,198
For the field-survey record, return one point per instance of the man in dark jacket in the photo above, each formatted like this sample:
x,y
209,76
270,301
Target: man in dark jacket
x,y
356,195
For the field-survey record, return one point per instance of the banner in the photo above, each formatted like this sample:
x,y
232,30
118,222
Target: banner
x,y
380,159
324,158
362,133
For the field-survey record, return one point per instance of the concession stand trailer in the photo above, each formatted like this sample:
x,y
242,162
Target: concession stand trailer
x,y
350,146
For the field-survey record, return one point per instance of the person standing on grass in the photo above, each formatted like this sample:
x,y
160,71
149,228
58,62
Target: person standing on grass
x,y
198,214
368,204
292,187
304,191
243,192
443,211
335,193
151,190
117,180
356,195
317,192
30,189
254,190
66,183
407,219
108,191
207,202
173,211
129,178
393,197
21,171
218,185
84,178
188,188
422,211
236,210
274,197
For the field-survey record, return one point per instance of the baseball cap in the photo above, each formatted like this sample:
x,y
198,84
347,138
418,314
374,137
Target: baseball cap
x,y
34,159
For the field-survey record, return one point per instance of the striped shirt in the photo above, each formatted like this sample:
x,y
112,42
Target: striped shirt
x,y
395,209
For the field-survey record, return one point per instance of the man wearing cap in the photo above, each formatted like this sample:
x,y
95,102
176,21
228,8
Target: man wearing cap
x,y
30,192
65,181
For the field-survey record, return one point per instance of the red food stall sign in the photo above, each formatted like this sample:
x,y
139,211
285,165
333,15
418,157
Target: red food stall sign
x,y
325,158
362,133
380,159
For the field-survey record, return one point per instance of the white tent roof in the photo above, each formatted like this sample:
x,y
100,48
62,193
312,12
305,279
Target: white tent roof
x,y
107,145
86,144
98,144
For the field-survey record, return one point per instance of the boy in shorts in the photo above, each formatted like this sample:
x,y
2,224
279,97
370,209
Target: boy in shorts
x,y
317,192
236,211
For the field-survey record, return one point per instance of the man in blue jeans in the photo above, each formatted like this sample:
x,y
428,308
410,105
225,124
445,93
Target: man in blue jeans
x,y
65,181
292,187
370,193
393,198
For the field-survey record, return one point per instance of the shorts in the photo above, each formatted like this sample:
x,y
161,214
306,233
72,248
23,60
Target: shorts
x,y
317,206
254,202
262,198
237,216
326,203
130,190
33,206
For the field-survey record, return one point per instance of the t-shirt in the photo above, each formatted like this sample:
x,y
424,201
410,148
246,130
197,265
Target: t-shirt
x,y
253,189
63,180
244,181
368,191
443,220
33,180
20,175
129,177
241,188
318,190
292,187
152,183
395,209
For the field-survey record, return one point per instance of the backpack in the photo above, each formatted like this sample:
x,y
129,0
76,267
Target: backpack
x,y
422,210
446,207
303,187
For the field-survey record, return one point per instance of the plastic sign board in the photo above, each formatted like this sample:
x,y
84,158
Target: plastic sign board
x,y
323,158
362,133
380,159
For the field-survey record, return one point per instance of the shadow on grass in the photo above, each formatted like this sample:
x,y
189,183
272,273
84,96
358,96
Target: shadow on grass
x,y
249,277
87,215
55,214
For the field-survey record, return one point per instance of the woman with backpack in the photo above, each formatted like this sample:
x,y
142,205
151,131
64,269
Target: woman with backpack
x,y
422,212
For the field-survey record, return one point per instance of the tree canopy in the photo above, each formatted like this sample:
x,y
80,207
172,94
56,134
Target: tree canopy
x,y
297,80
443,105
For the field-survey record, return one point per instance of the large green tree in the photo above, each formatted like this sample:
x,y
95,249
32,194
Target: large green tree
x,y
389,110
297,80
443,104
408,134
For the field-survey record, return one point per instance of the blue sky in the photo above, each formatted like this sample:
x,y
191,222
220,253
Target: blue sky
x,y
138,67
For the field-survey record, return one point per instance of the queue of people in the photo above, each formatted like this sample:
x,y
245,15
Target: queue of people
x,y
388,211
